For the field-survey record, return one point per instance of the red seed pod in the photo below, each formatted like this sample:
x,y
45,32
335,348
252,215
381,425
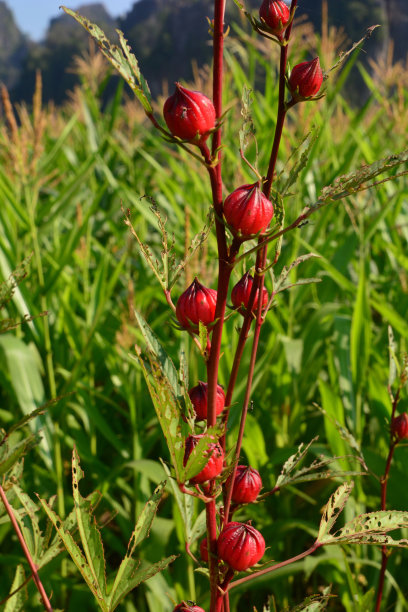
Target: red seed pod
x,y
399,427
247,484
188,606
276,15
240,545
204,550
190,115
248,211
197,303
306,79
215,462
198,396
241,292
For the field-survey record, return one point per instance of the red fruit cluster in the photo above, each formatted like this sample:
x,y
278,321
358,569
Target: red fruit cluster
x,y
214,464
306,79
190,115
240,545
197,303
247,484
276,15
187,606
399,427
198,396
241,292
248,211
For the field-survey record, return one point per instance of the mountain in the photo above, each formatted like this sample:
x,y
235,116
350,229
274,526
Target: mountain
x,y
167,36
14,47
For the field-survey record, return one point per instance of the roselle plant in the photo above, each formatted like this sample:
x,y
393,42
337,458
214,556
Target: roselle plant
x,y
248,222
205,459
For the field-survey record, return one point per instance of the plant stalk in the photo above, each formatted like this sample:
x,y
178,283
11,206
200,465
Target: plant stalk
x,y
33,568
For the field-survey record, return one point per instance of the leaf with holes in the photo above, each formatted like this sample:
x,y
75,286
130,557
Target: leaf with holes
x,y
371,528
332,510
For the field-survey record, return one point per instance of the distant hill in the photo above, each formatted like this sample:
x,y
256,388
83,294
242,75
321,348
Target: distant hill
x,y
14,47
165,48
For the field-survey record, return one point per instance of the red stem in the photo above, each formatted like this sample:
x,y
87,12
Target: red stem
x,y
384,482
267,570
224,272
23,545
259,280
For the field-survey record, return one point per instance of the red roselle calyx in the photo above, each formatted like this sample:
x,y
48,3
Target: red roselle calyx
x,y
198,396
399,427
240,545
276,15
248,211
214,464
188,606
306,79
190,115
241,292
247,484
197,303
204,550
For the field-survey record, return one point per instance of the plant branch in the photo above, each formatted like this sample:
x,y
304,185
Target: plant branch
x,y
27,554
268,570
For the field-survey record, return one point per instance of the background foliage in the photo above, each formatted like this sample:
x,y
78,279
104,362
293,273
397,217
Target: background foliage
x,y
64,176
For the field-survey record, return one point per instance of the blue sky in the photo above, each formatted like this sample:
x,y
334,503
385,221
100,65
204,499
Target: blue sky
x,y
32,17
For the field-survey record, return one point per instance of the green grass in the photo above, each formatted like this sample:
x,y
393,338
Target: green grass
x,y
324,346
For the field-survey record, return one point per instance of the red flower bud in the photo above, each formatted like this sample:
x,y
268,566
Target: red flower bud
x,y
190,115
248,211
399,427
275,14
306,79
240,545
197,303
204,550
198,396
188,606
215,462
241,292
247,484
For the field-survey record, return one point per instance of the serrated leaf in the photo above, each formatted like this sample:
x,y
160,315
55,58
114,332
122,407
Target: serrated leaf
x,y
125,578
90,535
184,502
167,407
122,60
74,551
11,456
280,283
247,130
17,602
292,462
347,184
201,453
314,603
166,364
371,528
135,576
300,158
332,510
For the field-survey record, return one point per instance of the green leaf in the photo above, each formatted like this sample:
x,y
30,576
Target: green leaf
x,y
18,602
88,530
166,365
129,575
332,510
10,456
371,528
74,551
122,59
360,329
185,504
